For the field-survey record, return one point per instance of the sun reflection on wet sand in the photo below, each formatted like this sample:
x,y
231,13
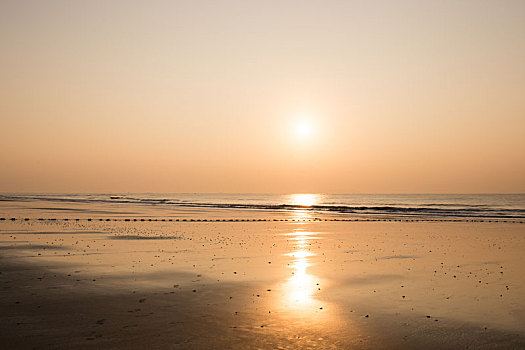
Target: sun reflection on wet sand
x,y
299,290
301,286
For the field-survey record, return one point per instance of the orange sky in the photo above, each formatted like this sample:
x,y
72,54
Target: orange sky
x,y
208,96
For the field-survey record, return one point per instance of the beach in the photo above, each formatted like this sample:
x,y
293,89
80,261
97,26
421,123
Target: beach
x,y
123,283
262,175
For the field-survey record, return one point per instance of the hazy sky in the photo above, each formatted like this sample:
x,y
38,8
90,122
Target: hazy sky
x,y
262,96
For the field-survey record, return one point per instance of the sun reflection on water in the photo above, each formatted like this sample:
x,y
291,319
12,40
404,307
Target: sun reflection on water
x,y
304,202
304,199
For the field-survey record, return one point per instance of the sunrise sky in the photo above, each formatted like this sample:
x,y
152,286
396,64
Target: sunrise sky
x,y
262,96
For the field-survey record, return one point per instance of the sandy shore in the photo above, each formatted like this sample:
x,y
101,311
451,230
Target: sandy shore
x,y
246,285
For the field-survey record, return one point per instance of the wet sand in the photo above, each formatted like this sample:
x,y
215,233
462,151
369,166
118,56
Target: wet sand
x,y
247,285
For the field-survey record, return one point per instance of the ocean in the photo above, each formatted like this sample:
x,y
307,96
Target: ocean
x,y
367,206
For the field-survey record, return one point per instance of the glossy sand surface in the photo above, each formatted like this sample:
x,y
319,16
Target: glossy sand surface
x,y
244,285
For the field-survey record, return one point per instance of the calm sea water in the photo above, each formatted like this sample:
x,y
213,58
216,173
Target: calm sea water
x,y
501,206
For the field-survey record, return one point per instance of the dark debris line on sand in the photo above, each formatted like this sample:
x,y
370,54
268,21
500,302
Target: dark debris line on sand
x,y
515,221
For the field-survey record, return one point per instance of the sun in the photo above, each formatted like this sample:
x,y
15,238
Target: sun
x,y
303,129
